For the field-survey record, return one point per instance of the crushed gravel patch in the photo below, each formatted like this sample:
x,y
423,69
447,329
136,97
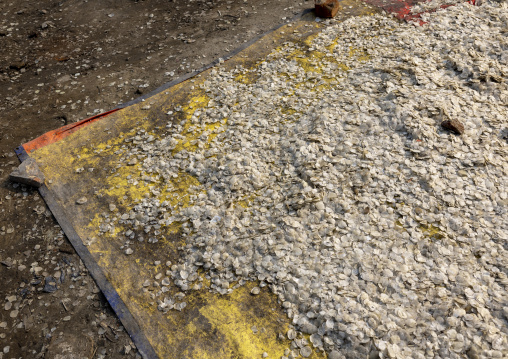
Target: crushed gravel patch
x,y
332,180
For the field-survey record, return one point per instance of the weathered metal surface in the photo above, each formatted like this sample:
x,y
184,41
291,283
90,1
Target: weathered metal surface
x,y
28,173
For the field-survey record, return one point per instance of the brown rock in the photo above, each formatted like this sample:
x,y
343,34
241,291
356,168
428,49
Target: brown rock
x,y
326,8
18,65
454,126
7,262
66,248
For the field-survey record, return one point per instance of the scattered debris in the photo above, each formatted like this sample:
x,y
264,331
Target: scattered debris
x,y
6,262
66,248
326,8
454,126
18,65
81,200
50,285
306,352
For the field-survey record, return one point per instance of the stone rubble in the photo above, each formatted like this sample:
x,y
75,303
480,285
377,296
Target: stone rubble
x,y
381,233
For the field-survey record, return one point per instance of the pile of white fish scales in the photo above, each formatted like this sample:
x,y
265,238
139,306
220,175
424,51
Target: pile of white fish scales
x,y
331,180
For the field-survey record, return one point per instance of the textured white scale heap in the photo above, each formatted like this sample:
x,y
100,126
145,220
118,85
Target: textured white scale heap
x,y
378,230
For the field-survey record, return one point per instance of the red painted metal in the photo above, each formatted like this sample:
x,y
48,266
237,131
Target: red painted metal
x,y
62,132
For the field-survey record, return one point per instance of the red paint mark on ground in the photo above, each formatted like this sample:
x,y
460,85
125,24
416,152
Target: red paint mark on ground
x,y
402,8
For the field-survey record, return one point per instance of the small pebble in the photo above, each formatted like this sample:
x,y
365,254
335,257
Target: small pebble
x,y
50,285
454,126
306,352
81,200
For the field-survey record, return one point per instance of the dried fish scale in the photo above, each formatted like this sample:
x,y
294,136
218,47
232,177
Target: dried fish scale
x,y
312,186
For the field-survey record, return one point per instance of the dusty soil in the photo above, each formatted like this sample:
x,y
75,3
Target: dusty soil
x,y
60,62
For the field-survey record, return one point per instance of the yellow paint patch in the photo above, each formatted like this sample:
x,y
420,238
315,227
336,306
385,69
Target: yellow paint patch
x,y
246,78
358,54
432,231
226,316
193,130
245,203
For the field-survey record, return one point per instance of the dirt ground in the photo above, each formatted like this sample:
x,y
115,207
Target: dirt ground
x,y
60,62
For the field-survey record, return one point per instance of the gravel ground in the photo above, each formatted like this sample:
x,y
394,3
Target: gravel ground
x,y
382,229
